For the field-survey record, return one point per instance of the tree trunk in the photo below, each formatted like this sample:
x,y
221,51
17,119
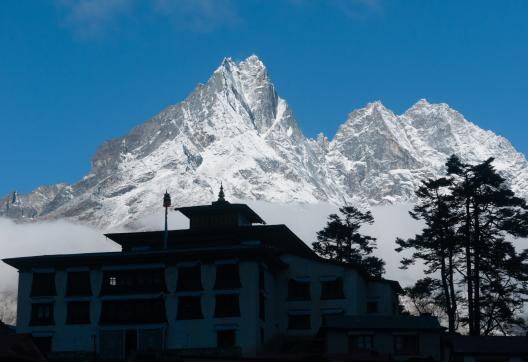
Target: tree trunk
x,y
476,270
469,274
447,294
452,294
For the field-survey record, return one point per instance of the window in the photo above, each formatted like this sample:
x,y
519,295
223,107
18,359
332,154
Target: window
x,y
189,307
226,338
298,290
262,278
262,307
227,276
189,278
332,289
42,314
78,313
359,342
406,344
78,283
227,305
43,285
134,281
299,321
133,311
372,307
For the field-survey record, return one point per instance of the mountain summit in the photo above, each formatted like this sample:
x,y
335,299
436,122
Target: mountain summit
x,y
236,129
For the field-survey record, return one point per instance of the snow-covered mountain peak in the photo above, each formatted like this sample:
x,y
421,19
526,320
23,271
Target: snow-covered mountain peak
x,y
253,64
376,105
375,108
373,118
235,128
423,107
226,64
247,88
368,110
422,103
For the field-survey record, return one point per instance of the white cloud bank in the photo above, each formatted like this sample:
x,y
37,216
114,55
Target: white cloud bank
x,y
56,237
391,221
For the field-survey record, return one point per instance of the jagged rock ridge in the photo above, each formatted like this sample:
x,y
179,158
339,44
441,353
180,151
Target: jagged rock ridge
x,y
236,129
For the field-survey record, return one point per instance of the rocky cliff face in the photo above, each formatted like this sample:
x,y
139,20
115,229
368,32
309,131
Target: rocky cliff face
x,y
236,129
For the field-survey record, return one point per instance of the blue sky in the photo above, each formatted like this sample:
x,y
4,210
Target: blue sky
x,y
74,73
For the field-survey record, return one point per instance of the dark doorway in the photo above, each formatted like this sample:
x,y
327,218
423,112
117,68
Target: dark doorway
x,y
130,342
43,344
226,338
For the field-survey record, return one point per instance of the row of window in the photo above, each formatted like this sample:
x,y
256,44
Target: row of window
x,y
133,281
78,284
77,313
139,310
148,340
190,307
330,289
133,311
189,279
137,281
403,344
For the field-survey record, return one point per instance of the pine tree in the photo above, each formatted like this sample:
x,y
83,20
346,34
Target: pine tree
x,y
340,240
491,213
504,289
466,245
460,192
437,246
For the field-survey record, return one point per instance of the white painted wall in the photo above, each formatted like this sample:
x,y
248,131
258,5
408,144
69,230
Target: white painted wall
x,y
202,333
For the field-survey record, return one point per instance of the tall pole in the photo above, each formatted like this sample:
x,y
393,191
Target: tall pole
x,y
166,233
166,205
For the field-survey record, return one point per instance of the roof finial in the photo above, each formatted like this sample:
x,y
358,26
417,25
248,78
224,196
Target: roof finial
x,y
166,199
221,195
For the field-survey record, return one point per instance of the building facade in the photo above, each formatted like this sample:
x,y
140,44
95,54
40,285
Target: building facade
x,y
399,337
229,283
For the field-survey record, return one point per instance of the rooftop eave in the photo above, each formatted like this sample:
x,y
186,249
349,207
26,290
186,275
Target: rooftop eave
x,y
133,257
189,211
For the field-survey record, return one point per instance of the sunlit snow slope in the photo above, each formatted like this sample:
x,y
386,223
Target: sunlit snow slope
x,y
236,129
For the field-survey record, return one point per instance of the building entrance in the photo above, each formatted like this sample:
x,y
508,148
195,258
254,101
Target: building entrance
x,y
130,342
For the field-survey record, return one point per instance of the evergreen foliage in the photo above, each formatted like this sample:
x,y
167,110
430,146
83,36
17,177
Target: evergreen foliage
x,y
340,240
471,215
437,246
425,297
